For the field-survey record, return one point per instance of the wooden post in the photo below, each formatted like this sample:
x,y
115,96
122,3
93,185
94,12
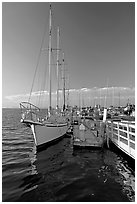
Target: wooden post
x,y
107,134
128,138
118,133
112,131
105,114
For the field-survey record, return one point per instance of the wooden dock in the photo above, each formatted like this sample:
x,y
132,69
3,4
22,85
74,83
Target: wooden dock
x,y
88,134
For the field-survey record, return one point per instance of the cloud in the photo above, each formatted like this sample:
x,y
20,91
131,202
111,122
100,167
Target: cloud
x,y
14,97
89,96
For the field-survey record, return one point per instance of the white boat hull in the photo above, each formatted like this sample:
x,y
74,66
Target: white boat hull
x,y
47,133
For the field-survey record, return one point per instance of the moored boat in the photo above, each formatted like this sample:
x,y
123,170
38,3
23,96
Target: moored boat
x,y
55,123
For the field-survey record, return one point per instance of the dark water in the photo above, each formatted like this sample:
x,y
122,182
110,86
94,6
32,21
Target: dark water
x,y
59,173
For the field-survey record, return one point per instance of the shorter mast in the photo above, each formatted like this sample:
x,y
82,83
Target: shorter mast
x,y
63,83
58,33
100,97
105,105
119,98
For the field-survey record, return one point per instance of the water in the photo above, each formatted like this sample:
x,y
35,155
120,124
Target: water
x,y
59,173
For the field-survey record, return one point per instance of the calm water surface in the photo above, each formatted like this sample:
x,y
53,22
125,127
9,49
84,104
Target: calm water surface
x,y
59,173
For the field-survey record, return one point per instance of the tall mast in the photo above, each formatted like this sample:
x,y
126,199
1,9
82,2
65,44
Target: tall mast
x,y
58,67
50,27
63,84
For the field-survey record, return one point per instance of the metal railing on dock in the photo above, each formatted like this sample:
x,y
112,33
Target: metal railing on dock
x,y
122,134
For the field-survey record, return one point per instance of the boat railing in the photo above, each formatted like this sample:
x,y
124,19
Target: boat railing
x,y
29,111
123,135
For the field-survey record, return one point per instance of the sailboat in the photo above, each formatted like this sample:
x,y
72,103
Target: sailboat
x,y
54,126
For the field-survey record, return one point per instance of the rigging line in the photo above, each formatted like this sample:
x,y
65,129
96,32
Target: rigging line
x,y
37,63
43,85
60,64
53,66
37,98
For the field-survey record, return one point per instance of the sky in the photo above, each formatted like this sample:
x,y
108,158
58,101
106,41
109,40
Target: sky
x,y
98,39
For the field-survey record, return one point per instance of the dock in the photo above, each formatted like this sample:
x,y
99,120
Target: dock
x,y
88,134
122,134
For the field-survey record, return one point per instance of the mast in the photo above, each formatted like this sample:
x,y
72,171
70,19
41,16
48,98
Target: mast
x,y
50,27
113,98
100,97
79,99
68,91
63,84
105,105
106,95
119,98
58,32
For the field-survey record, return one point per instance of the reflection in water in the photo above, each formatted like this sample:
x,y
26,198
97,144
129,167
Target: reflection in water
x,y
128,179
118,168
60,173
33,158
30,181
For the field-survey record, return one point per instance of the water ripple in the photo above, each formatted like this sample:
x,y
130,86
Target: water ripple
x,y
59,173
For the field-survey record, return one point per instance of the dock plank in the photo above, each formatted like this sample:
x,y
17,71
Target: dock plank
x,y
86,137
